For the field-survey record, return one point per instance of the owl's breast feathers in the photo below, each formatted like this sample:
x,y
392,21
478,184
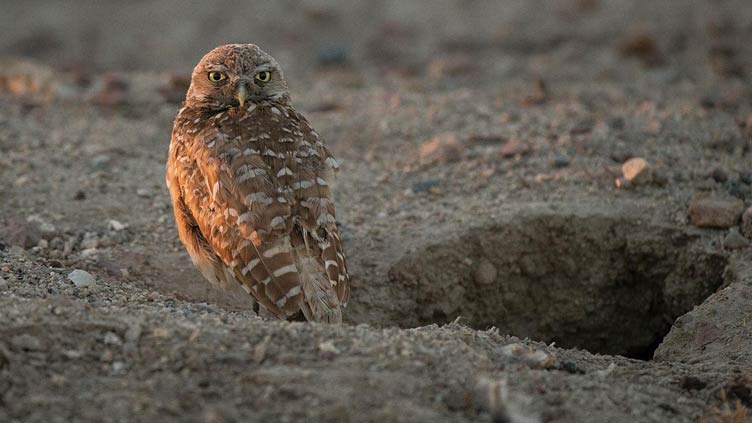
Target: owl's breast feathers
x,y
253,206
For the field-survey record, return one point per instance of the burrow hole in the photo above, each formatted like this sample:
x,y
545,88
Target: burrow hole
x,y
610,285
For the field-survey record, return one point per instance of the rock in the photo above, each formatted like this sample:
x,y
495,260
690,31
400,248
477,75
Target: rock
x,y
513,147
260,350
118,367
486,273
111,338
642,45
561,161
734,240
692,383
443,148
55,264
328,347
116,225
101,161
708,210
89,252
637,171
430,185
3,283
747,223
81,278
719,175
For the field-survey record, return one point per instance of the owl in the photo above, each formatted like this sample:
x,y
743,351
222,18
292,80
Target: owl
x,y
250,181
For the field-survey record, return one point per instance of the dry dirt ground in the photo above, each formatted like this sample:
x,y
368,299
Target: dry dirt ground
x,y
498,272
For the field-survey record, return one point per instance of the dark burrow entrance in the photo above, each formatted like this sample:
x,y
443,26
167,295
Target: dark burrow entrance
x,y
610,285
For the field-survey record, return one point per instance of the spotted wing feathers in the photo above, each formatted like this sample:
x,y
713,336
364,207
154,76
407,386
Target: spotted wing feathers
x,y
254,207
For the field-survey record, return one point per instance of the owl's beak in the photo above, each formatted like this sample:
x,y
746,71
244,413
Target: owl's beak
x,y
241,94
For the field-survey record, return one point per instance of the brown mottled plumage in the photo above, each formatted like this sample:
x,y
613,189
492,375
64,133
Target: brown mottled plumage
x,y
249,181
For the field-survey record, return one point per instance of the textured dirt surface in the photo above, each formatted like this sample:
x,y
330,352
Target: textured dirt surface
x,y
498,272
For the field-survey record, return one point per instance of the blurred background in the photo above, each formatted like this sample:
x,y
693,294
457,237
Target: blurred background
x,y
454,41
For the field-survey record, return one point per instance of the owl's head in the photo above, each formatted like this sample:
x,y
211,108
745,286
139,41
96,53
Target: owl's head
x,y
233,75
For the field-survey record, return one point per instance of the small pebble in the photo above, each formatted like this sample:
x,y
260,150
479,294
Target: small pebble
x,y
485,273
143,192
719,175
328,347
259,351
692,383
116,225
734,240
81,278
89,252
423,186
443,148
118,367
561,161
637,170
100,161
513,147
110,338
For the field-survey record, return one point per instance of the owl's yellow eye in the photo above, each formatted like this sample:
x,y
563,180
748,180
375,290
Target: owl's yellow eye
x,y
217,76
263,76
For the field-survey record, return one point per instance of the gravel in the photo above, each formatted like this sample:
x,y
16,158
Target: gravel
x,y
476,258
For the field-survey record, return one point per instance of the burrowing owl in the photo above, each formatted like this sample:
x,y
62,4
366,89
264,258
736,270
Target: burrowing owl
x,y
249,181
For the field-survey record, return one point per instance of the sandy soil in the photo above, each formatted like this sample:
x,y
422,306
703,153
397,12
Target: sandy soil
x,y
498,272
